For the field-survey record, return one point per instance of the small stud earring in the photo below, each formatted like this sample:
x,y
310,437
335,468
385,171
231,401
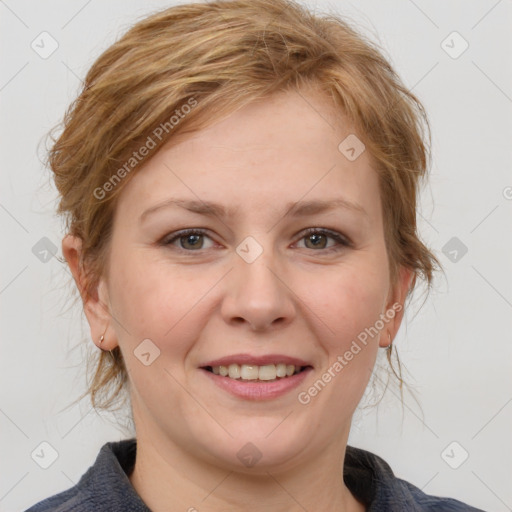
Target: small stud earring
x,y
103,336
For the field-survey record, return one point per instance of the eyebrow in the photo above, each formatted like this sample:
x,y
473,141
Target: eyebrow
x,y
296,209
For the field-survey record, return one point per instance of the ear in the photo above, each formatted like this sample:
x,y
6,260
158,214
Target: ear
x,y
395,305
96,301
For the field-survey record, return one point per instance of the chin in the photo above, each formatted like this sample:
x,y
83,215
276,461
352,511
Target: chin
x,y
261,450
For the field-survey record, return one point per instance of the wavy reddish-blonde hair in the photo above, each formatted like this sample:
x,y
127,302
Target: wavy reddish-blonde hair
x,y
224,55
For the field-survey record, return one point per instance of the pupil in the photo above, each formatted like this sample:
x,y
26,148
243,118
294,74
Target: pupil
x,y
192,240
316,239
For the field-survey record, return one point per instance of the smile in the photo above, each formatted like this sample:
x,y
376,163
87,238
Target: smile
x,y
267,372
248,383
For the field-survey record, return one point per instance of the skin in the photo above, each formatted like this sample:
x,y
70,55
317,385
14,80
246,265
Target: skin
x,y
296,298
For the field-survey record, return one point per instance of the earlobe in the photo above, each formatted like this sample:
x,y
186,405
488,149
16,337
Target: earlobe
x,y
94,301
99,319
395,306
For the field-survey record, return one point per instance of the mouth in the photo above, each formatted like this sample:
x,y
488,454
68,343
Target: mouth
x,y
255,373
247,380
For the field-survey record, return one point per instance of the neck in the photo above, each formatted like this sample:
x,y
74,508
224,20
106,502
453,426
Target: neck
x,y
168,478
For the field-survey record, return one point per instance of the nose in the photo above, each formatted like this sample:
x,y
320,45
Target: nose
x,y
257,295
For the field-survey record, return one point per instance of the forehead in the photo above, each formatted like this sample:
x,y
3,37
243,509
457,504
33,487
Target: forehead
x,y
281,149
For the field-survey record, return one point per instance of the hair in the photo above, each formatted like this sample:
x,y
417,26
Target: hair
x,y
217,57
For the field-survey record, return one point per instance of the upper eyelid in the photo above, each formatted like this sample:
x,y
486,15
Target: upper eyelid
x,y
329,232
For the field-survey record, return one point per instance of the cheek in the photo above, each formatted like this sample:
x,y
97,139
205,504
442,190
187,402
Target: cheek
x,y
349,305
155,300
348,300
352,349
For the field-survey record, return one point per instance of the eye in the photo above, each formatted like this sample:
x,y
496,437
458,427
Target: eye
x,y
316,238
193,239
188,239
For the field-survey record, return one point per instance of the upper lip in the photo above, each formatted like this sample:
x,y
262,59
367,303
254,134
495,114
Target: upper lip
x,y
256,360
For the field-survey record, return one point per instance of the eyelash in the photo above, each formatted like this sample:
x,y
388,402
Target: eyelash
x,y
341,240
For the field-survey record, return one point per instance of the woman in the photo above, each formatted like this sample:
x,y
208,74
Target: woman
x,y
240,184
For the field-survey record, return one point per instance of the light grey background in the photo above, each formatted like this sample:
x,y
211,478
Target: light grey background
x,y
457,349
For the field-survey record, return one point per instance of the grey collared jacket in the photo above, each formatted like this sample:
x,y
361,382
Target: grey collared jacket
x,y
106,487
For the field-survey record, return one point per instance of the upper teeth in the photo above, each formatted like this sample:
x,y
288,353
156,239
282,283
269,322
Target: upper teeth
x,y
254,372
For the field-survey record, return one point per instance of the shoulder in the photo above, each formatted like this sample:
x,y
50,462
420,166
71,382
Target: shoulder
x,y
105,485
371,479
67,501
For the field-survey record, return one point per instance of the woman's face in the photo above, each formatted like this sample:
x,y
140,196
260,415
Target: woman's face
x,y
253,286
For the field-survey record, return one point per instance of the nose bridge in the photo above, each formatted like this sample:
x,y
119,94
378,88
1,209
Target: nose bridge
x,y
257,294
259,275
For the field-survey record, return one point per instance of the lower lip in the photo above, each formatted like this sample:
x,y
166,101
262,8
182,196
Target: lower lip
x,y
258,390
